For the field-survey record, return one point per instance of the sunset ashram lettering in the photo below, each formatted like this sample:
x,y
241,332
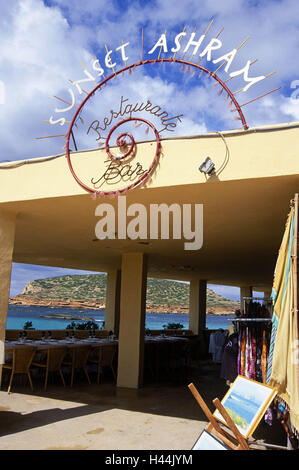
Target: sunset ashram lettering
x,y
194,45
212,46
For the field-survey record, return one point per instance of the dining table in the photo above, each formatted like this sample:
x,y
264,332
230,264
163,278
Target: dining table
x,y
158,348
43,345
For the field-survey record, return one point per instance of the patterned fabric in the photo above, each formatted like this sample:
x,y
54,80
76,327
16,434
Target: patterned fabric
x,y
283,366
239,352
281,276
247,360
264,358
252,357
252,353
229,366
258,370
243,354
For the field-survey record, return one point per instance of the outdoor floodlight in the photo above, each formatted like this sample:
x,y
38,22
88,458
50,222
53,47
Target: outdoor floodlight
x,y
207,167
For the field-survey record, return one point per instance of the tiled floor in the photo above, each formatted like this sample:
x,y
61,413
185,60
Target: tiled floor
x,y
160,415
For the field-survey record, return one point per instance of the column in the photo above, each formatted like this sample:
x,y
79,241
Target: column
x,y
245,291
197,305
132,320
113,301
7,235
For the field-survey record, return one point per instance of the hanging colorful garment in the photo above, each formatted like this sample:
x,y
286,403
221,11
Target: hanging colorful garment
x,y
248,347
252,356
239,352
283,367
243,353
264,358
269,416
258,370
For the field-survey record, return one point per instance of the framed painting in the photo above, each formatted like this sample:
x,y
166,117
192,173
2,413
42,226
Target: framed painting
x,y
246,402
207,441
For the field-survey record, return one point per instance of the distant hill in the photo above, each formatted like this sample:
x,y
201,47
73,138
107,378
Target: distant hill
x,y
90,290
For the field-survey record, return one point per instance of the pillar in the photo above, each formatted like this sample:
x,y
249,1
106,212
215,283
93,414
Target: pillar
x,y
132,320
197,305
7,236
245,291
113,301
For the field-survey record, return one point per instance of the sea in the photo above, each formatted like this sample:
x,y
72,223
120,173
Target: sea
x,y
246,409
19,314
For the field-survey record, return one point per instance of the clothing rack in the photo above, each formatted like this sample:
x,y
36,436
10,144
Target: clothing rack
x,y
245,319
249,319
259,300
247,350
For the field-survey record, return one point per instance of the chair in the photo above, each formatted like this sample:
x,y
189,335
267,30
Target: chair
x,y
162,358
105,358
174,354
180,355
59,334
156,332
149,355
33,334
101,333
81,334
21,362
79,361
55,356
170,332
12,335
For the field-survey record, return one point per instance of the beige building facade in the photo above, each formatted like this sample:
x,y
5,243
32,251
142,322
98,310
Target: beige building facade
x,y
46,218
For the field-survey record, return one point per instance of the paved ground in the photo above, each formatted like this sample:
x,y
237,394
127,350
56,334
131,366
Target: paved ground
x,y
158,416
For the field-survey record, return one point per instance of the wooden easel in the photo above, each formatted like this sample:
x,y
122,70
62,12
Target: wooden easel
x,y
234,441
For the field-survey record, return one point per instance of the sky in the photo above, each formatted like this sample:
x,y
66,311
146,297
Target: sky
x,y
43,44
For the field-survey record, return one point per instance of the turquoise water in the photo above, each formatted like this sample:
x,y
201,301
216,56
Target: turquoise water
x,y
246,409
18,315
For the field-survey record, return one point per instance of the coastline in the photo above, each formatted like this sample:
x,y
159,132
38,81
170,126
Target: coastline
x,y
94,305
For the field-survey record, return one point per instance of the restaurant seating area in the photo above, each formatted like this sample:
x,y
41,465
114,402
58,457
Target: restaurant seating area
x,y
87,356
14,335
53,363
104,357
20,364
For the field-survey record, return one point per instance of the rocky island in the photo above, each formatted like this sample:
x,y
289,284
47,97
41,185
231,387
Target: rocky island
x,y
89,292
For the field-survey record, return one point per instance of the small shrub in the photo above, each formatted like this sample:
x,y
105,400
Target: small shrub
x,y
173,326
88,325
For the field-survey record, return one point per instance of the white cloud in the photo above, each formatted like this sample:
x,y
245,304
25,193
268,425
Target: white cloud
x,y
290,108
37,60
23,273
41,48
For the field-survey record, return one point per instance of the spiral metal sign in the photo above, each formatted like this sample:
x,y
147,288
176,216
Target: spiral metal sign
x,y
121,155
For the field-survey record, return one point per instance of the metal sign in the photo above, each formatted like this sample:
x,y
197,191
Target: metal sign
x,y
123,165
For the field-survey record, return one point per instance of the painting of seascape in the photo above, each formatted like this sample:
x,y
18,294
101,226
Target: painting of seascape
x,y
246,402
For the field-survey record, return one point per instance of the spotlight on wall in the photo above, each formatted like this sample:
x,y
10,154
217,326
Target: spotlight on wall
x,y
207,167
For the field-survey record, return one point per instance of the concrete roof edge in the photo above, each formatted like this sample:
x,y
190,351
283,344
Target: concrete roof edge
x,y
267,128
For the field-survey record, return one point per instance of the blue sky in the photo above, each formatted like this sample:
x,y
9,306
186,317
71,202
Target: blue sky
x,y
42,43
22,273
